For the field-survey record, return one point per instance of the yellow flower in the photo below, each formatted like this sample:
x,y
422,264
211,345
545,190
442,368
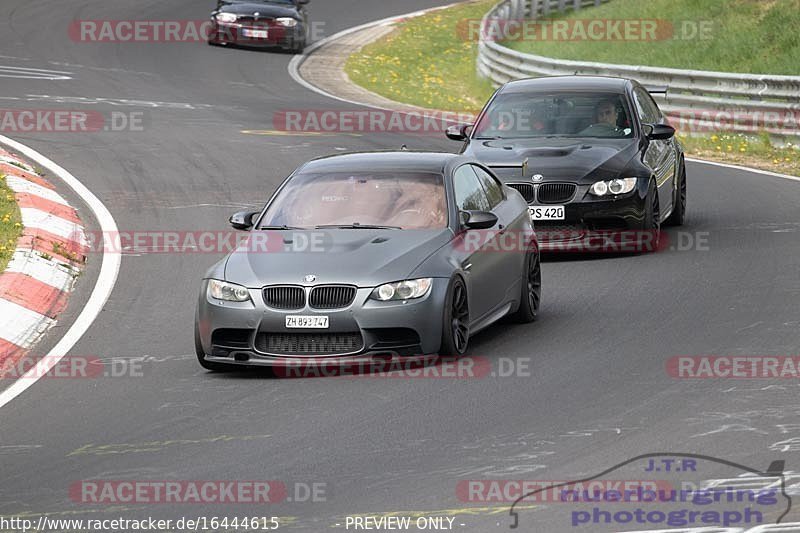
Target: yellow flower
x,y
742,149
775,161
714,138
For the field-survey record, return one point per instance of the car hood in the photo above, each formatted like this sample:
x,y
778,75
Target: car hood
x,y
361,257
573,159
266,10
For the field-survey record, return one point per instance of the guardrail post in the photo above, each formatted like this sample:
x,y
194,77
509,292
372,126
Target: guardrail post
x,y
517,9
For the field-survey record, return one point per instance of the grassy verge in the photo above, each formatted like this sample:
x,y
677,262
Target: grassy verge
x,y
10,223
425,62
739,149
723,35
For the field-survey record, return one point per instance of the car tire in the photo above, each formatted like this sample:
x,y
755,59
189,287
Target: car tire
x,y
455,319
652,216
531,291
297,48
201,355
679,212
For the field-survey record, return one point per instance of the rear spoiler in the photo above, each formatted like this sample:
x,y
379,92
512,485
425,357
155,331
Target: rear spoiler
x,y
657,89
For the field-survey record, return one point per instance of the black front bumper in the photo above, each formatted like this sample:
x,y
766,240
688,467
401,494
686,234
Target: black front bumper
x,y
591,222
277,36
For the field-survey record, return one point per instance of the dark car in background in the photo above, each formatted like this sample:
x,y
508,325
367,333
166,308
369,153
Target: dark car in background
x,y
416,252
591,155
273,23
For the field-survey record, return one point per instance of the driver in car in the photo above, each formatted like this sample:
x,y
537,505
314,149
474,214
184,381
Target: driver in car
x,y
606,119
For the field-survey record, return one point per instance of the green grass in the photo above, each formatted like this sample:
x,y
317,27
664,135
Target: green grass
x,y
425,62
10,223
759,37
748,150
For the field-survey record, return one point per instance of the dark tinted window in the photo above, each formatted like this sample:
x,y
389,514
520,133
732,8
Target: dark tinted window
x,y
532,115
494,191
469,192
409,200
648,109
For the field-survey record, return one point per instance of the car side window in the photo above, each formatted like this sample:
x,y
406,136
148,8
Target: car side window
x,y
468,189
656,111
647,108
494,191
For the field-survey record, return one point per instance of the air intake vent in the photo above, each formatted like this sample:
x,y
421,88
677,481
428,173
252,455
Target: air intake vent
x,y
309,343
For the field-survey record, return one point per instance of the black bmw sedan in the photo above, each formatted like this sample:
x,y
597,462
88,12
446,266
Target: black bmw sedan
x,y
591,155
260,23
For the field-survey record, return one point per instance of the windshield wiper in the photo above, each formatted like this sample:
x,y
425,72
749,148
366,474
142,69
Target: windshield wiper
x,y
284,227
355,225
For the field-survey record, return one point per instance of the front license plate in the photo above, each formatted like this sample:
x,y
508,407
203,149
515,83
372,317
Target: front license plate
x,y
553,212
256,34
306,322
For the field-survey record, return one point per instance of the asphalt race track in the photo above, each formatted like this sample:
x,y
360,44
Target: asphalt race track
x,y
597,392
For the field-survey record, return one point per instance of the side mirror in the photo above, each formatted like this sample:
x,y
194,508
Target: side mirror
x,y
478,219
659,132
458,132
243,219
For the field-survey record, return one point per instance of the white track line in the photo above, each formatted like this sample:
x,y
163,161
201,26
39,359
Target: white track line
x,y
109,270
746,169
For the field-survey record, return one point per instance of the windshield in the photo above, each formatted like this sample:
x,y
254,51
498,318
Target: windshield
x,y
403,200
531,115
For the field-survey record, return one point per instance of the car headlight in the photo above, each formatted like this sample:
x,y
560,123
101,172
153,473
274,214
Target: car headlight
x,y
229,292
616,186
226,17
402,290
289,22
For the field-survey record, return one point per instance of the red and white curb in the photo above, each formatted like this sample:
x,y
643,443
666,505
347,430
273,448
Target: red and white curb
x,y
48,258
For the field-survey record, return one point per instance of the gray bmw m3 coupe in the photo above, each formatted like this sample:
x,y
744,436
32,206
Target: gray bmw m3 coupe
x,y
369,256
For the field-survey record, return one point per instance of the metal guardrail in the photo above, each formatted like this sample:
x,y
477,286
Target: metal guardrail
x,y
697,100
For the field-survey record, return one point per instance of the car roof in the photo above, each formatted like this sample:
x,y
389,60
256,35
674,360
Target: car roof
x,y
382,161
567,83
